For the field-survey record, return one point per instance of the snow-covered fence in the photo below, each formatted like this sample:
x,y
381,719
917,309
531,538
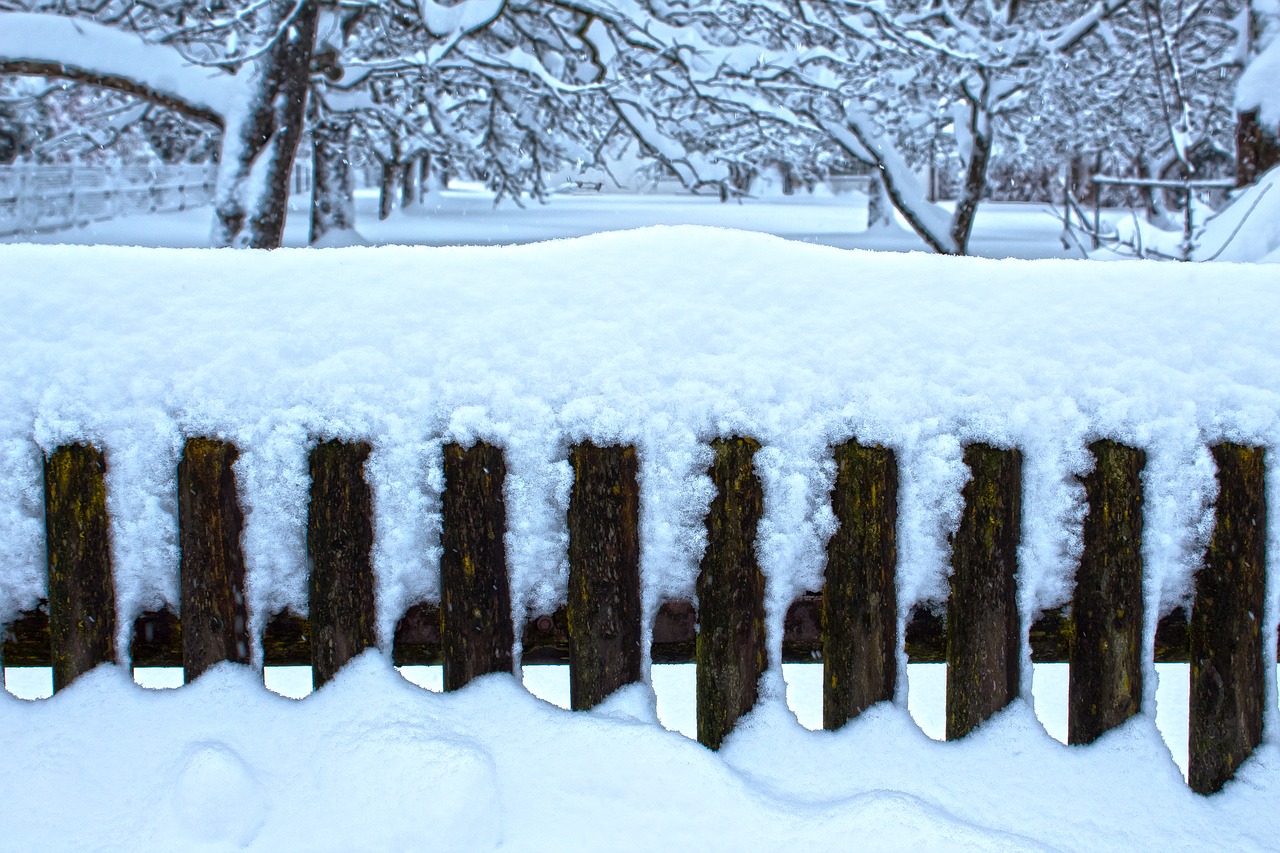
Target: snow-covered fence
x,y
671,341
600,632
47,198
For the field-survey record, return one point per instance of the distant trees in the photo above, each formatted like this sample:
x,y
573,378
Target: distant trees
x,y
715,93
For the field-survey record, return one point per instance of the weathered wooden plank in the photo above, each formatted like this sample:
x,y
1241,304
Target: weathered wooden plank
x,y
82,600
287,639
417,637
1105,682
339,541
731,652
475,612
157,639
603,611
1227,685
215,618
860,601
983,631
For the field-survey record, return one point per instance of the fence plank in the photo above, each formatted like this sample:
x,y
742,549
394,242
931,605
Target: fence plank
x,y
603,610
82,599
730,647
215,619
1227,684
983,632
339,539
859,598
475,613
1105,681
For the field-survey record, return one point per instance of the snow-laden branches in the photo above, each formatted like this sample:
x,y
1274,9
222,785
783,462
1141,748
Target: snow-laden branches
x,y
78,49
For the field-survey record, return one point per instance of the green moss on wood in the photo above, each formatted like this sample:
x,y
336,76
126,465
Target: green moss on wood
x,y
730,647
860,604
1227,679
339,542
603,607
475,614
82,619
1105,686
983,628
214,604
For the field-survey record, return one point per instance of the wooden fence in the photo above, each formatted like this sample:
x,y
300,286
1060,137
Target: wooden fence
x,y
851,626
48,198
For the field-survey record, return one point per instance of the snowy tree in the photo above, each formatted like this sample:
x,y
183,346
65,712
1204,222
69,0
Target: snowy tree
x,y
243,68
879,80
1258,95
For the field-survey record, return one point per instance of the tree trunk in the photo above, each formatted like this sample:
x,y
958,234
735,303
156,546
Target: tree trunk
x,y
333,206
424,176
259,144
1257,148
879,206
387,189
408,188
975,180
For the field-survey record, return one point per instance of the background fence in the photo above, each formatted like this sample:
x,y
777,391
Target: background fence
x,y
48,198
851,625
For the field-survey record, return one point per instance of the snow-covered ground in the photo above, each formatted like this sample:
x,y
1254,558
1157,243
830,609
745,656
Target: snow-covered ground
x,y
666,338
466,215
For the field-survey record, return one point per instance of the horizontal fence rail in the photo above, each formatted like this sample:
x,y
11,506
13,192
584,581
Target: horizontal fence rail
x,y
850,626
48,198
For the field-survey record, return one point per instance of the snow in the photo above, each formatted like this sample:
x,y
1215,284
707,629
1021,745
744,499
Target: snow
x,y
465,214
372,762
1248,229
666,338
1257,90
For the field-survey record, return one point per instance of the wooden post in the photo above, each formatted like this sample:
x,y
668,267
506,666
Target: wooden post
x,y
604,573
475,613
859,598
1227,686
215,622
339,539
730,647
82,597
1105,682
983,631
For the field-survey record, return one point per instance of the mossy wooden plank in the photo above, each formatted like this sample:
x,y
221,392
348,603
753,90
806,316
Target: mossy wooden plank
x,y
82,599
214,615
286,640
730,648
1227,679
1105,681
603,610
859,599
339,541
983,629
26,638
475,612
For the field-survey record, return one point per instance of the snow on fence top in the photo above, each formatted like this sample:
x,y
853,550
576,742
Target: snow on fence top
x,y
664,338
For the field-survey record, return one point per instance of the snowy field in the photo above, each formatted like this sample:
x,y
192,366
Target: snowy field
x,y
466,215
665,338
